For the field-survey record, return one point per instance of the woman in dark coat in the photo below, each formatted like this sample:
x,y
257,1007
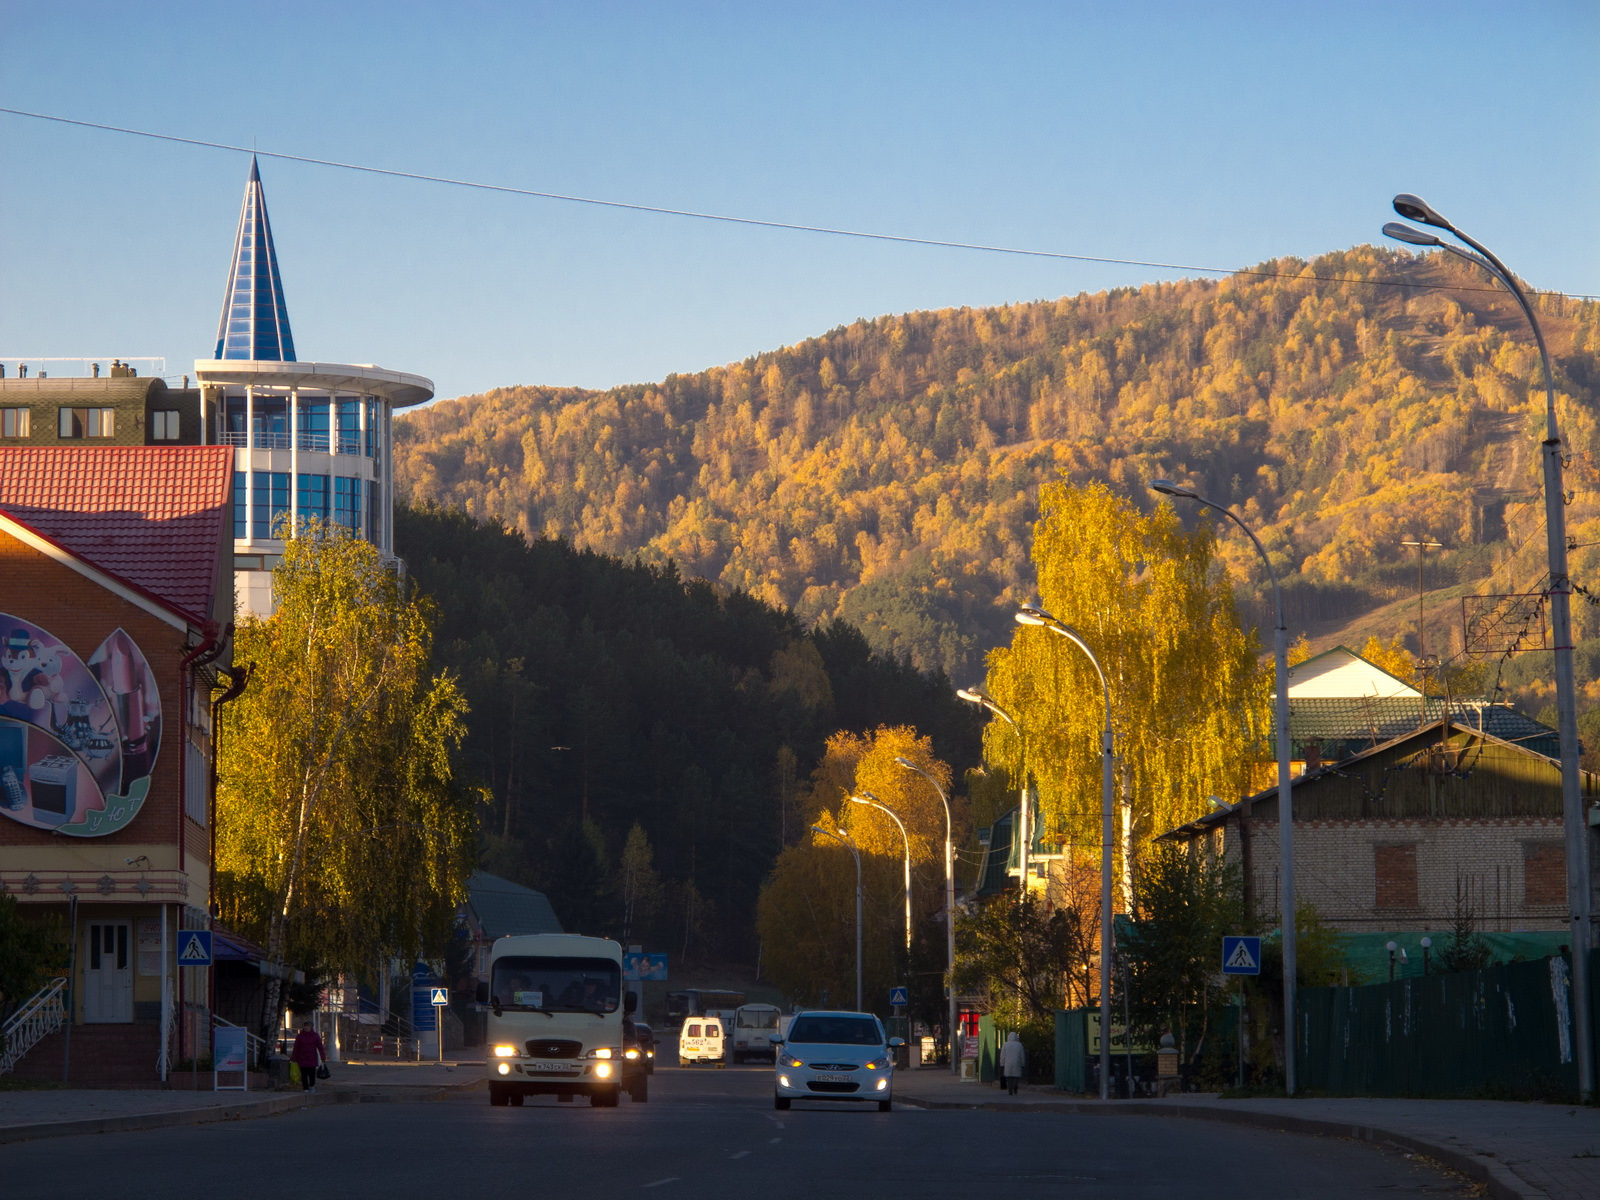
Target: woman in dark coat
x,y
308,1054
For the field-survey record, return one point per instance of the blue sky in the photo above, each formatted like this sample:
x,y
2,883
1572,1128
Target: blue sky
x,y
1215,134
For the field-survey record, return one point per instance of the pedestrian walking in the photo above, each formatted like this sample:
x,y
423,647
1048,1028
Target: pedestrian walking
x,y
308,1054
1013,1061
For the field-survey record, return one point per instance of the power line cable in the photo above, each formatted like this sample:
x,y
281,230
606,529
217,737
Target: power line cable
x,y
792,226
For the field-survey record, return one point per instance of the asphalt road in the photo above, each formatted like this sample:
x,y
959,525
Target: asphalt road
x,y
711,1135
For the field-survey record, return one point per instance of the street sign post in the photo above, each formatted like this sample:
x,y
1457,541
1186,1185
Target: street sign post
x,y
1241,956
194,948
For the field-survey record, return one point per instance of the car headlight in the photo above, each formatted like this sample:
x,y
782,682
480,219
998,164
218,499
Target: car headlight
x,y
789,1060
630,1053
602,1052
879,1064
505,1051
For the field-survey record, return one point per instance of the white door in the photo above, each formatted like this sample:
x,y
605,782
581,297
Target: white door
x,y
108,973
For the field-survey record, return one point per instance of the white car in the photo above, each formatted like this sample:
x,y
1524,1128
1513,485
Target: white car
x,y
835,1056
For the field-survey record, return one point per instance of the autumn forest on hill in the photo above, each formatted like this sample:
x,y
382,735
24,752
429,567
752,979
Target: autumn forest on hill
x,y
887,471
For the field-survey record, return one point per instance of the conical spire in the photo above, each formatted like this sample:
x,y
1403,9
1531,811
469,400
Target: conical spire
x,y
255,320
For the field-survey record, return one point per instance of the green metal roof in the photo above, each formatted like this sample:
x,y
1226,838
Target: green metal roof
x,y
504,908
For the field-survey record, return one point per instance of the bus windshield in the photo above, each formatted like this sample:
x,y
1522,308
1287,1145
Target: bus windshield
x,y
528,984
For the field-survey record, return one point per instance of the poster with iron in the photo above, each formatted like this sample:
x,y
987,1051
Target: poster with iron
x,y
77,741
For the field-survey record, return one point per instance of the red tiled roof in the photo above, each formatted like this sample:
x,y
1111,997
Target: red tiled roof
x,y
151,515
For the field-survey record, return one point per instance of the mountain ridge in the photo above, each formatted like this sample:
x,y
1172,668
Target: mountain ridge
x,y
886,471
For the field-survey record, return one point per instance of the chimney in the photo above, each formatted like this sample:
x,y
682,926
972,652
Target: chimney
x,y
186,383
94,369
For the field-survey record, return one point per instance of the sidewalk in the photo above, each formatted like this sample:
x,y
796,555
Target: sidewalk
x,y
1522,1151
56,1112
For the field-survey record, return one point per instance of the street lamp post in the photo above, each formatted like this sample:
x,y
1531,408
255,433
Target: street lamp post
x,y
1033,615
1414,208
1280,655
949,912
851,846
977,695
872,801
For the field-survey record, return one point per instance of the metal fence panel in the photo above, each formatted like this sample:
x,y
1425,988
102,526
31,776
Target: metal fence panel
x,y
1504,1031
1072,1050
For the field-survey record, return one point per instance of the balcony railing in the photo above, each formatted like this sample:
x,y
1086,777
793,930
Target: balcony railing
x,y
313,443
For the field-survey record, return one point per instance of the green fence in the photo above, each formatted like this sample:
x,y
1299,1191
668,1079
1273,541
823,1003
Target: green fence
x,y
1072,1050
1503,1031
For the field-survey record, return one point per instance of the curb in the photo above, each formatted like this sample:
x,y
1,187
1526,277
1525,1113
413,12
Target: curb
x,y
1502,1183
245,1111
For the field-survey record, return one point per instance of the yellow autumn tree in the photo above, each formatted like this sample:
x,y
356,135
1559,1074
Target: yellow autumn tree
x,y
1189,698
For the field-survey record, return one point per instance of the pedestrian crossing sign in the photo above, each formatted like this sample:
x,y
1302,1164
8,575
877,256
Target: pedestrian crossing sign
x,y
899,997
194,948
440,997
1241,956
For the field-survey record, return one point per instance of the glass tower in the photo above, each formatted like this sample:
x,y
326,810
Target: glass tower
x,y
255,320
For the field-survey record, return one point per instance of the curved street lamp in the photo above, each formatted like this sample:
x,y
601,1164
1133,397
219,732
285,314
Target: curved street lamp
x,y
1032,614
851,846
976,695
872,801
949,912
1280,657
1414,208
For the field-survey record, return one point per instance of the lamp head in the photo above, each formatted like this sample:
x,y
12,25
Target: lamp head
x,y
1415,208
1167,488
822,831
1032,614
1218,802
1392,947
1427,943
974,694
1414,237
905,762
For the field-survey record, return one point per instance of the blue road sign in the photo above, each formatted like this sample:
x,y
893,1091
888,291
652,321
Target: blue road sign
x,y
194,947
440,997
1241,956
899,996
645,966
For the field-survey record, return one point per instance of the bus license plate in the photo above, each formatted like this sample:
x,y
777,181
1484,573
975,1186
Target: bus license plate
x,y
557,1068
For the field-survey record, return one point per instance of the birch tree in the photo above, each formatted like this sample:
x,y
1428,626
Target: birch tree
x,y
1189,698
343,834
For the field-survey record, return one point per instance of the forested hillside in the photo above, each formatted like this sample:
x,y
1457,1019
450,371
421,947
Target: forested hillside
x,y
887,472
646,741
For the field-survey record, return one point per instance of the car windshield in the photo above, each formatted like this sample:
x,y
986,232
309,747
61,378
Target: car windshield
x,y
528,984
815,1030
759,1019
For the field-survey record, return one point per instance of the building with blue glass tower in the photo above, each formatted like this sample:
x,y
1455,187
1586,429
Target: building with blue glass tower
x,y
312,439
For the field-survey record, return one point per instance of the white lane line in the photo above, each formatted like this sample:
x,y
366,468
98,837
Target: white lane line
x,y
740,1154
773,1141
668,1179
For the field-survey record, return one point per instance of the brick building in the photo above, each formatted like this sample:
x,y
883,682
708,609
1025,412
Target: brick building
x,y
115,614
1396,837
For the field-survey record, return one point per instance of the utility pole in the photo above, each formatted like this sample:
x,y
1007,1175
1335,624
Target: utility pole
x,y
1423,546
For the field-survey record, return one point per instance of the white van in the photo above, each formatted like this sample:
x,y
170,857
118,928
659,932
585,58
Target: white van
x,y
755,1029
701,1040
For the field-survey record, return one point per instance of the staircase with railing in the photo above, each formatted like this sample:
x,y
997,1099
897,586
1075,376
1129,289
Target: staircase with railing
x,y
40,1015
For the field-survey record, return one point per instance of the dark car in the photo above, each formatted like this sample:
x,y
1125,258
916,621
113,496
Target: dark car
x,y
636,1065
647,1045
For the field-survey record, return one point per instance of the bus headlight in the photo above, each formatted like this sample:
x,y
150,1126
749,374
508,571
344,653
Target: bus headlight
x,y
504,1068
602,1052
603,1070
505,1051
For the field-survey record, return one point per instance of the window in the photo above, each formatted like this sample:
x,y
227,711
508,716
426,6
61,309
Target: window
x,y
349,420
372,511
87,422
241,528
14,423
1544,873
313,497
164,425
271,501
347,503
1395,868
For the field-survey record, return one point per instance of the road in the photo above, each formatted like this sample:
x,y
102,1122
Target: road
x,y
710,1135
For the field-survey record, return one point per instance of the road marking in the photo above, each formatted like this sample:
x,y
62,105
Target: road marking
x,y
740,1154
668,1179
773,1141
